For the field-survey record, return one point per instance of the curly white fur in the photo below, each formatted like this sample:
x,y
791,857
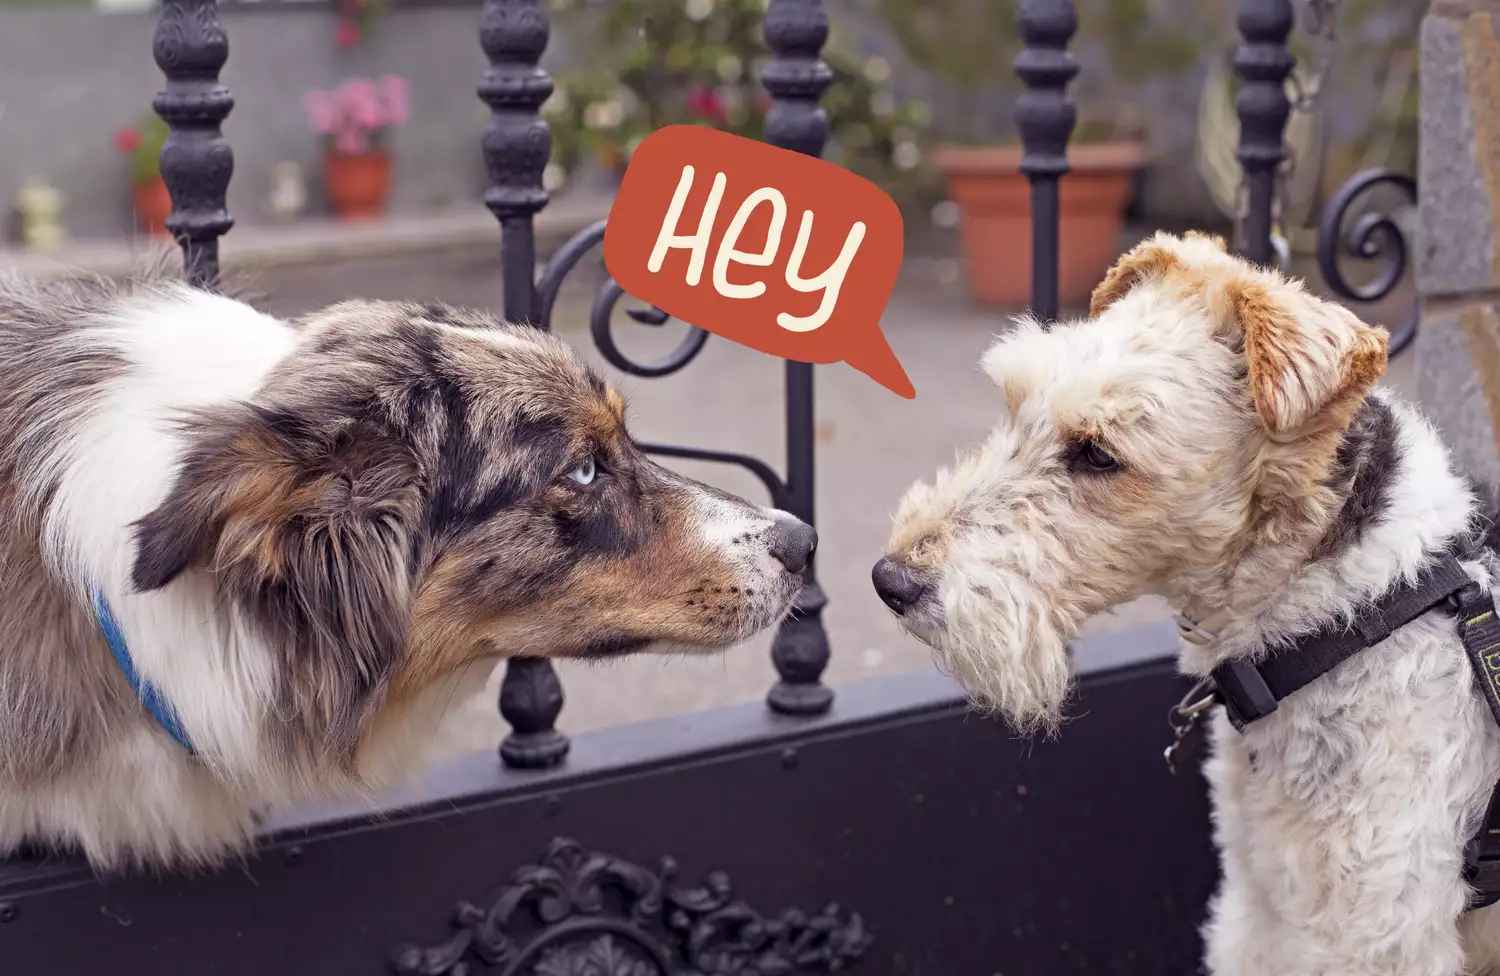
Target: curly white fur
x,y
1233,401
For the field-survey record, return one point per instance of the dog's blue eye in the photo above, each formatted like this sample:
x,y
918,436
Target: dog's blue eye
x,y
583,473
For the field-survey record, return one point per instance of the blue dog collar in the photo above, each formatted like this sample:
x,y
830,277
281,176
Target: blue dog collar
x,y
159,708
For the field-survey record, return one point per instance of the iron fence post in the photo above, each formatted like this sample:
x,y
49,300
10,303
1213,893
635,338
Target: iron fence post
x,y
517,144
795,31
1263,63
1045,118
190,48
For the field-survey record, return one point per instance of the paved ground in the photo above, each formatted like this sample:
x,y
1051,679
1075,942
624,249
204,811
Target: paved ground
x,y
871,446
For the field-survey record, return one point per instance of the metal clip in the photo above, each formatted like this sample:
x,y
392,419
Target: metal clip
x,y
1186,719
1189,630
1281,247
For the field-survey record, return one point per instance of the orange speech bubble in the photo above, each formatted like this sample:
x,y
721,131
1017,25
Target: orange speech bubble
x,y
782,252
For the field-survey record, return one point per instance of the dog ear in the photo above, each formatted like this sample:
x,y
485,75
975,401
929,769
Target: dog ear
x,y
1152,258
308,528
1311,362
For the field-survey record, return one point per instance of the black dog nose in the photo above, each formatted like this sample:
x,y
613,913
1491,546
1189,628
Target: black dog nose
x,y
896,585
792,543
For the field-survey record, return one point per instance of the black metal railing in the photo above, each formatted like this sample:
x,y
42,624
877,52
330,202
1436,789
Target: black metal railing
x,y
1045,119
1263,62
442,880
517,144
191,47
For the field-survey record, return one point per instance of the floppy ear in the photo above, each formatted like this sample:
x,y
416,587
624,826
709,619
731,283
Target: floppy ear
x,y
307,528
1154,257
1311,362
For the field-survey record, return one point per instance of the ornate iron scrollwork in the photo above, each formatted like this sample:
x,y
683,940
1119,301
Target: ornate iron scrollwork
x,y
602,956
550,282
549,285
581,913
1373,236
796,77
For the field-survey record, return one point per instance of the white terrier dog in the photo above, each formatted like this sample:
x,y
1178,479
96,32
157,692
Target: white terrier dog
x,y
1212,434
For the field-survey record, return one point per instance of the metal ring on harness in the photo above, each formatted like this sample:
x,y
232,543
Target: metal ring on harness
x,y
1251,691
1185,713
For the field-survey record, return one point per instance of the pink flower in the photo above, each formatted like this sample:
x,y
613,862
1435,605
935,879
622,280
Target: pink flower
x,y
357,110
351,142
323,111
705,103
346,33
360,103
127,140
397,99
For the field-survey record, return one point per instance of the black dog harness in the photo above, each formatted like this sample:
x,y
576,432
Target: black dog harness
x,y
1250,692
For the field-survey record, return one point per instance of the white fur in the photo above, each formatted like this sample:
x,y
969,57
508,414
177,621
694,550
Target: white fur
x,y
1342,817
185,349
114,455
1377,772
738,531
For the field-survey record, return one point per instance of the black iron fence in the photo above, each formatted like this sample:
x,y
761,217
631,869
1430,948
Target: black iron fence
x,y
956,848
1263,63
191,48
516,149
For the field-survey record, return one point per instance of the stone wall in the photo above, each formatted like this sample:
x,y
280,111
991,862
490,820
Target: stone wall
x,y
1458,261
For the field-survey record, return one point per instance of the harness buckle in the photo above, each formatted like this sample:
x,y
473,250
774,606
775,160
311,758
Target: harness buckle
x,y
1247,697
1470,598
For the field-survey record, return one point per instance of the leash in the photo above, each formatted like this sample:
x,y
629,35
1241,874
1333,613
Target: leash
x,y
1250,692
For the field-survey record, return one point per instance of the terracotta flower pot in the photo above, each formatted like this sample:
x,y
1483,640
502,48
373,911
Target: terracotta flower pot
x,y
987,185
152,205
357,185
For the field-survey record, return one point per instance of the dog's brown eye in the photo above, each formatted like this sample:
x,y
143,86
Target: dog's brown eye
x,y
1089,456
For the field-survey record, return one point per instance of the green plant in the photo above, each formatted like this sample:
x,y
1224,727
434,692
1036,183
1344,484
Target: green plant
x,y
142,142
972,45
653,63
1377,53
